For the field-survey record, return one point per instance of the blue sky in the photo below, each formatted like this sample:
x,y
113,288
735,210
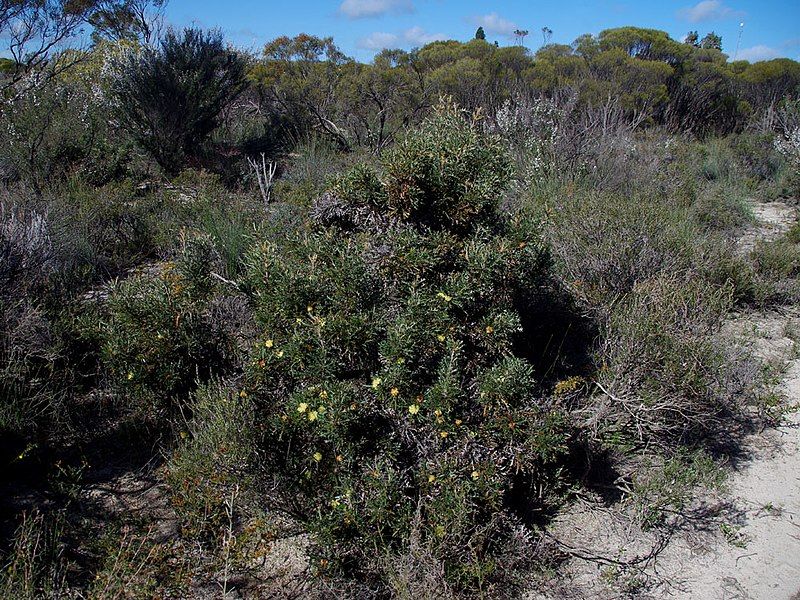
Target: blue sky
x,y
362,27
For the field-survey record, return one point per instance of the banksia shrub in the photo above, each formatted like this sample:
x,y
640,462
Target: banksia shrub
x,y
159,339
389,379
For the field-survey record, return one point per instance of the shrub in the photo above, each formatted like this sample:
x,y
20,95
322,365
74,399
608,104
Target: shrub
x,y
214,461
102,232
29,350
170,96
159,338
777,259
49,127
721,208
663,370
777,266
604,244
36,566
657,272
399,410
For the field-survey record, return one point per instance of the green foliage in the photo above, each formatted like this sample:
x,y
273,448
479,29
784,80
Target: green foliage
x,y
50,127
445,176
375,100
213,461
301,74
36,566
127,20
158,340
388,374
778,259
645,44
170,97
711,41
399,359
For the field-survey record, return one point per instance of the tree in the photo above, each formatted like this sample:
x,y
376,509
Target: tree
x,y
379,100
692,39
586,45
646,44
170,96
520,34
767,82
639,86
301,75
547,33
711,41
480,34
129,19
34,30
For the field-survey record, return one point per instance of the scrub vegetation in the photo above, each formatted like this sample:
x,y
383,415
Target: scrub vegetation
x,y
391,316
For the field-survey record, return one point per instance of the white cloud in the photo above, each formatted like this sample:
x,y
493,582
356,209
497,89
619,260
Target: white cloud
x,y
378,41
415,36
359,9
708,10
757,53
494,23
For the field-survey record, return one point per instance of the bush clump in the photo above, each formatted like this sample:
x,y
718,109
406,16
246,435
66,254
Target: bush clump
x,y
170,96
159,338
398,407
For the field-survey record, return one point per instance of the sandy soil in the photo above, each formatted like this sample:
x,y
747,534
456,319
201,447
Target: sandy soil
x,y
760,557
772,220
741,543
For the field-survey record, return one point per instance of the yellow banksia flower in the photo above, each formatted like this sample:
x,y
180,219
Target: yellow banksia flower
x,y
376,382
279,354
431,478
443,434
317,456
440,337
444,296
476,474
312,416
489,329
413,409
269,343
323,394
394,392
130,375
568,385
243,394
458,421
302,407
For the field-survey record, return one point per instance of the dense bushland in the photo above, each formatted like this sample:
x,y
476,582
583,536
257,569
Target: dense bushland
x,y
399,313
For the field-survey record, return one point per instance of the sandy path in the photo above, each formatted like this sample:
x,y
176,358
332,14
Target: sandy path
x,y
762,561
748,545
